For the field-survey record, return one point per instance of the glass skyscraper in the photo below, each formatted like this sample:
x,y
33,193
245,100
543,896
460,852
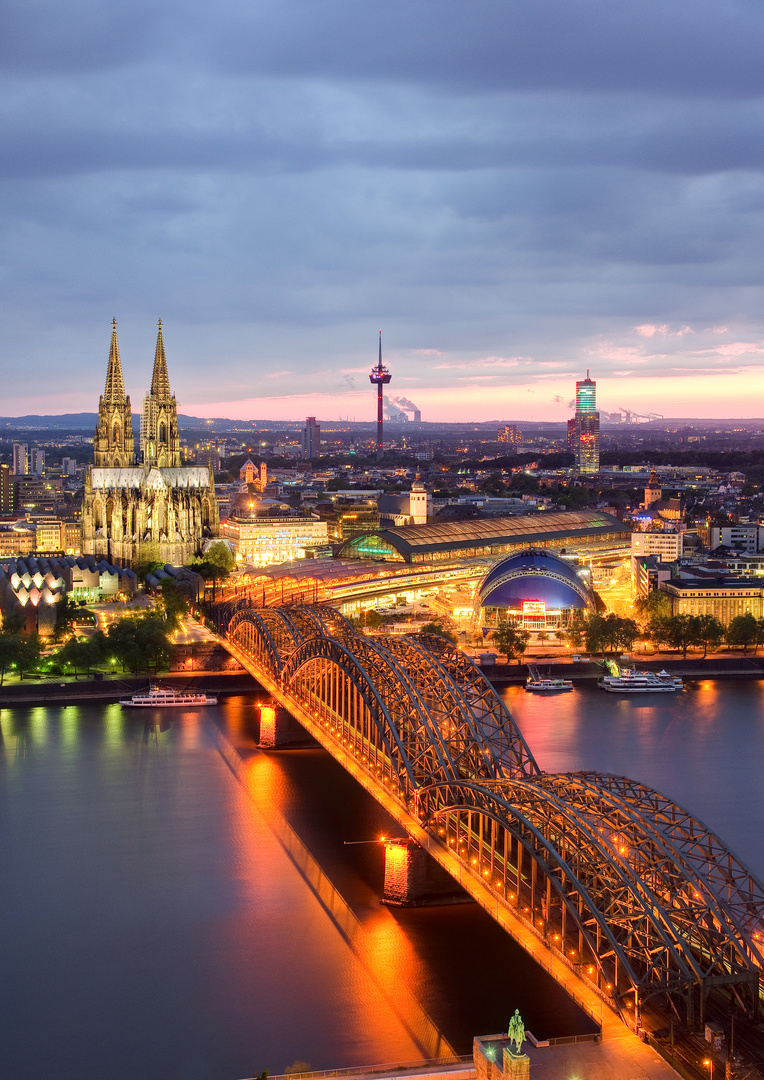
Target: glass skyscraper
x,y
586,427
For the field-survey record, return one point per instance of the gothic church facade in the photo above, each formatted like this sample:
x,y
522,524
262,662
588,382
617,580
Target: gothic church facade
x,y
155,505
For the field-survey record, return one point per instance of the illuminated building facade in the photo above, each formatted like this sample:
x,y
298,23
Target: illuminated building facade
x,y
509,434
586,427
50,535
32,587
264,541
158,502
723,599
534,590
440,541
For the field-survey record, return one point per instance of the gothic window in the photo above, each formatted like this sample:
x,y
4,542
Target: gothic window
x,y
116,435
162,432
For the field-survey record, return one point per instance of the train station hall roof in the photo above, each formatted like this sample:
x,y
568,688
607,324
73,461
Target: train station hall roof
x,y
485,536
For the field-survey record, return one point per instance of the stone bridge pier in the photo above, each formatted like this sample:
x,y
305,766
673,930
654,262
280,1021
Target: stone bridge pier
x,y
414,879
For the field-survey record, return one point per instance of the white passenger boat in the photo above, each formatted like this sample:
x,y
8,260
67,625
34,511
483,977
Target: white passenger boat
x,y
158,697
548,685
631,681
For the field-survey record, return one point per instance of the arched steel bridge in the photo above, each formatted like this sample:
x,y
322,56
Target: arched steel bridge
x,y
633,892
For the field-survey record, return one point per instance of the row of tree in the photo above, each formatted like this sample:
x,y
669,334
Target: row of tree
x,y
136,642
610,633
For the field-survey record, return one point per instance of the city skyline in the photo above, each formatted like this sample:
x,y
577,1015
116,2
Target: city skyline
x,y
512,196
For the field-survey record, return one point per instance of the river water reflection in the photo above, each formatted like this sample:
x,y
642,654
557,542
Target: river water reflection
x,y
162,917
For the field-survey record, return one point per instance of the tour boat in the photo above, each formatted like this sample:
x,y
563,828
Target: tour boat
x,y
158,697
631,681
548,684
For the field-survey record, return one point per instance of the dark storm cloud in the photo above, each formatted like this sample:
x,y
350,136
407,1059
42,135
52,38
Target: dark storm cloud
x,y
489,179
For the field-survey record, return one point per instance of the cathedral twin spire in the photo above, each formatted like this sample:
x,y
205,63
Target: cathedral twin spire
x,y
114,444
115,387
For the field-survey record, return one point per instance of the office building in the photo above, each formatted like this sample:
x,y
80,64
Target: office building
x,y
509,434
311,438
724,598
20,459
586,427
262,540
50,535
37,461
745,536
6,490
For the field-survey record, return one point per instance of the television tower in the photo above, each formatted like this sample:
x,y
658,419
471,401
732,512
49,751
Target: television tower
x,y
381,376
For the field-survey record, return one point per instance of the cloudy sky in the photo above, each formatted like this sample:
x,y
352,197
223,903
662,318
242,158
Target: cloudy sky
x,y
514,190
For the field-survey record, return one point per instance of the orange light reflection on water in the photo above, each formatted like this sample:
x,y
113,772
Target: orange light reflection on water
x,y
379,966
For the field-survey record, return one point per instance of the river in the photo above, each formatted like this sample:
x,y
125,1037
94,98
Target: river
x,y
164,917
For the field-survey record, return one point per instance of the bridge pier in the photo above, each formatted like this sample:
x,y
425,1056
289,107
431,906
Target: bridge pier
x,y
279,729
414,879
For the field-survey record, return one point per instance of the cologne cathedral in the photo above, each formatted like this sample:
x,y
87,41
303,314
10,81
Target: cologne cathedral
x,y
154,505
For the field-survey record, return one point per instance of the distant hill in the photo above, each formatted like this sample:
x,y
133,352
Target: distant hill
x,y
86,421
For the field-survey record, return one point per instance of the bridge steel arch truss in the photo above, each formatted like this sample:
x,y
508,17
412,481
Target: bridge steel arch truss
x,y
636,894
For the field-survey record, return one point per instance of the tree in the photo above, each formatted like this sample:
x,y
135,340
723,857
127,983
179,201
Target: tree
x,y
9,648
711,632
66,610
609,633
27,654
215,565
510,640
681,631
140,641
576,631
438,630
743,630
174,602
656,605
82,654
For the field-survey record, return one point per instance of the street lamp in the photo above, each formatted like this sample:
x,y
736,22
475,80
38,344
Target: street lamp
x,y
710,1063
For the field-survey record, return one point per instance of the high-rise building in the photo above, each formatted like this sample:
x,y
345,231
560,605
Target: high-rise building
x,y
586,395
6,490
37,461
509,434
20,459
311,438
586,427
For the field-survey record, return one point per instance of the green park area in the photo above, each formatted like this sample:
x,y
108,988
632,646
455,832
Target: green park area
x,y
135,642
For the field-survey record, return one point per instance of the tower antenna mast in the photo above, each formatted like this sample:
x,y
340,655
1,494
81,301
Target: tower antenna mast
x,y
381,376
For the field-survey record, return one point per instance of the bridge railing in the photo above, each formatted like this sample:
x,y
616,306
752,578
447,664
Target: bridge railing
x,y
397,1067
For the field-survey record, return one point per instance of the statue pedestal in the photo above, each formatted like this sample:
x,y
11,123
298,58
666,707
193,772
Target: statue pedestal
x,y
516,1066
